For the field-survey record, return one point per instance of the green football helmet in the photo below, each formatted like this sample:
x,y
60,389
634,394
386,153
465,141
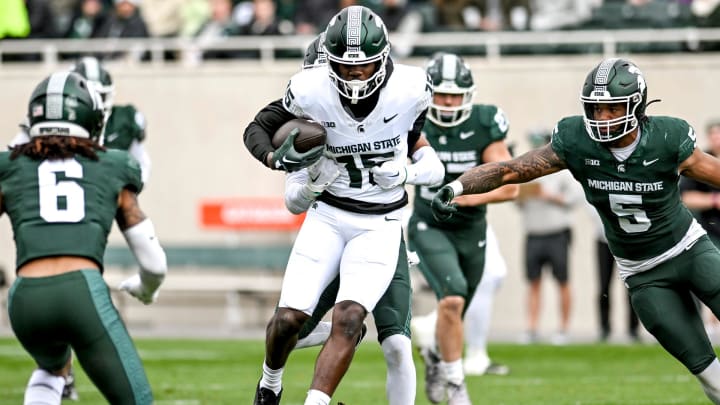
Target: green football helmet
x,y
315,55
614,81
357,36
65,104
449,74
92,70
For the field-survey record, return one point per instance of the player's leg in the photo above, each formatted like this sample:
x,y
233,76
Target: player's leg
x,y
363,281
605,263
479,312
669,313
534,259
311,267
558,247
78,310
392,318
439,263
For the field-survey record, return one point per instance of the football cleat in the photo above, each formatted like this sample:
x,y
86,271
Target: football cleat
x,y
458,395
434,380
264,396
69,390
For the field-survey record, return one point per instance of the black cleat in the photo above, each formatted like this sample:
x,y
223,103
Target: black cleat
x,y
69,391
264,396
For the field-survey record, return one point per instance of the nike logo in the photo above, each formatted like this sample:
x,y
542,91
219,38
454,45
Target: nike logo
x,y
688,247
466,135
286,160
111,137
388,119
482,243
314,179
649,162
391,219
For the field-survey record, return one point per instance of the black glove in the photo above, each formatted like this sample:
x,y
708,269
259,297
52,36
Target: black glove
x,y
442,209
290,160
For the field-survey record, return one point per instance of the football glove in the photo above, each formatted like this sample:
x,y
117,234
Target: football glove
x,y
321,174
441,205
389,175
287,158
135,287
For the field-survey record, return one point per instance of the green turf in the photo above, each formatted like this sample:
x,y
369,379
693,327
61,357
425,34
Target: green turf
x,y
191,372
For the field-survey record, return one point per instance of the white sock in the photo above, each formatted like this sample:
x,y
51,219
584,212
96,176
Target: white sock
x,y
315,397
44,389
401,380
317,336
272,379
710,381
453,371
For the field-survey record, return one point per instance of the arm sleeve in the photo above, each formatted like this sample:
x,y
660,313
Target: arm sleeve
x,y
259,132
298,197
416,130
426,169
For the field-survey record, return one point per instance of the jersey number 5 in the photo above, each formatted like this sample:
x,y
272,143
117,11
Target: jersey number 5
x,y
632,219
61,201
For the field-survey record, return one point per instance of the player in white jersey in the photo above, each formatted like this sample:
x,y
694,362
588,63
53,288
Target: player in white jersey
x,y
353,194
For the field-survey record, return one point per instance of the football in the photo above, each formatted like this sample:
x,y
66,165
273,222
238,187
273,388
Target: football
x,y
311,134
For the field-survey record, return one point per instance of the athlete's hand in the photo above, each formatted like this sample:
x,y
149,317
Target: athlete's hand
x,y
137,289
389,175
321,174
441,205
287,158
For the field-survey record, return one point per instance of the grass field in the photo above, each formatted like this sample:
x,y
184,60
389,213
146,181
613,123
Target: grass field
x,y
193,372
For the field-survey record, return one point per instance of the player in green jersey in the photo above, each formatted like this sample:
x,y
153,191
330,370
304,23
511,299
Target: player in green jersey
x,y
452,253
628,165
62,190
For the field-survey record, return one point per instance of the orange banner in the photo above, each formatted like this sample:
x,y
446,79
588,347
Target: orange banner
x,y
258,213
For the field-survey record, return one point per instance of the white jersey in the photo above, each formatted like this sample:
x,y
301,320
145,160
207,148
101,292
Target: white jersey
x,y
360,145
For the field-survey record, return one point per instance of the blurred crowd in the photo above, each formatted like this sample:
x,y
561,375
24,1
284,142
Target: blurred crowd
x,y
209,20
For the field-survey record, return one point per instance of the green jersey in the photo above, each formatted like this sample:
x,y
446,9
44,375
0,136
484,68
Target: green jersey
x,y
638,198
125,125
460,148
64,207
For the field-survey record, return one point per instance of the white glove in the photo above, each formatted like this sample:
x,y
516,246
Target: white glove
x,y
137,289
389,174
321,174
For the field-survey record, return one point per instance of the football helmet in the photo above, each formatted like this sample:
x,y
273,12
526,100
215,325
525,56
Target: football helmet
x,y
92,70
315,54
449,74
357,36
65,104
614,80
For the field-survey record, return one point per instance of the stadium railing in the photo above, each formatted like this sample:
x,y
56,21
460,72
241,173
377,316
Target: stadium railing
x,y
268,48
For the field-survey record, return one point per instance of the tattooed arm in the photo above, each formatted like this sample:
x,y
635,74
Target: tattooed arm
x,y
524,168
487,177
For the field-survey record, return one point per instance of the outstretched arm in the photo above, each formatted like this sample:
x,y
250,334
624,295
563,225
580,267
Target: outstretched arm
x,y
702,166
531,165
487,177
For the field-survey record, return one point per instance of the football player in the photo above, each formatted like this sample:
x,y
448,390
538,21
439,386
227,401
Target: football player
x,y
628,164
452,253
61,192
353,194
390,315
124,124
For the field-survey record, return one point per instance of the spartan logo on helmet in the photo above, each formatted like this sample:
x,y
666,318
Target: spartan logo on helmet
x,y
614,81
92,70
449,74
356,36
65,104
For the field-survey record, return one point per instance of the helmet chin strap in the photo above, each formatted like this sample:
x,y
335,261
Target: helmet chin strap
x,y
355,87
